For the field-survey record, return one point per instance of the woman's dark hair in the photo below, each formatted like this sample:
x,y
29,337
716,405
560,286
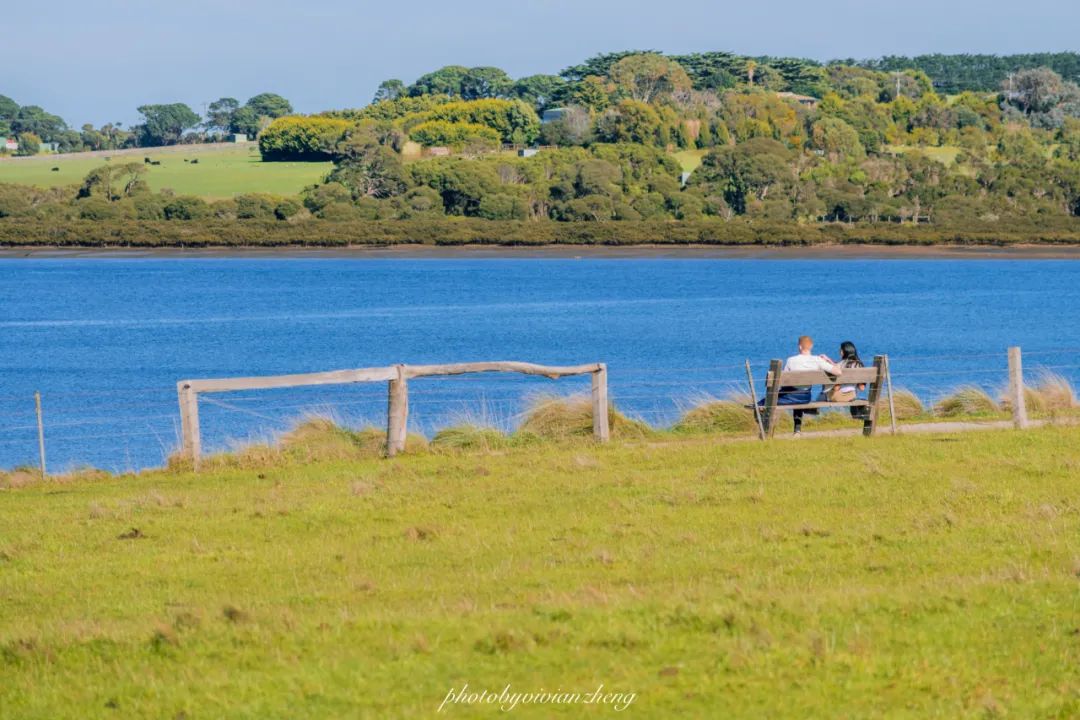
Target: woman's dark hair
x,y
848,352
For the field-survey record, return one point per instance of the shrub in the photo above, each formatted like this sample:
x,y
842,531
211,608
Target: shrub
x,y
512,121
555,417
501,206
96,208
29,144
149,207
254,206
302,138
455,134
968,400
287,209
186,207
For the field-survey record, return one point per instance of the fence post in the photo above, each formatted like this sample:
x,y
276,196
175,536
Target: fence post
x,y
191,443
40,434
397,413
600,424
888,387
1016,388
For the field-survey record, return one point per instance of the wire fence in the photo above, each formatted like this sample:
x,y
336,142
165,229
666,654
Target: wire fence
x,y
134,427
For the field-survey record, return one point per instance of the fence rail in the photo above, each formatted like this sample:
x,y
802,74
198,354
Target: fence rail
x,y
397,377
128,423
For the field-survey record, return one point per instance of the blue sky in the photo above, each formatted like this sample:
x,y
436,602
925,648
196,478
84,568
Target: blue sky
x,y
96,61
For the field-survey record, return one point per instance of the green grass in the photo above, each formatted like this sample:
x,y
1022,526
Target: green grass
x,y
690,159
220,172
946,154
899,577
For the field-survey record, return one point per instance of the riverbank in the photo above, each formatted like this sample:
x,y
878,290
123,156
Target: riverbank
x,y
707,581
471,251
24,233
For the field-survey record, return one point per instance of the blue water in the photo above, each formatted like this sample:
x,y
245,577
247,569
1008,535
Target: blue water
x,y
106,340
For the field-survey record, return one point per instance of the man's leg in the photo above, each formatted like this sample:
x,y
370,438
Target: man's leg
x,y
796,416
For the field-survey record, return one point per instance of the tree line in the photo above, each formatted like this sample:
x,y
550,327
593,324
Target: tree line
x,y
160,124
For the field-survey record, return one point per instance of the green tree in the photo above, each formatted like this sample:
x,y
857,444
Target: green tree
x,y
630,121
444,81
302,138
649,77
114,182
258,112
269,105
438,133
219,115
592,93
508,118
165,124
836,139
746,172
29,144
479,83
540,91
8,108
33,119
389,90
599,65
367,168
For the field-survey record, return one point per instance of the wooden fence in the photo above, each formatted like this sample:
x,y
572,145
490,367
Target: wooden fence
x,y
397,377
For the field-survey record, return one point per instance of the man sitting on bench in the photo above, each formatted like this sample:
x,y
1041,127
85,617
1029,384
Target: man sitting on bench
x,y
800,395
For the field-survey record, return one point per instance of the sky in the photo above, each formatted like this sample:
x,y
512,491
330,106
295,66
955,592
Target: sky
x,y
97,61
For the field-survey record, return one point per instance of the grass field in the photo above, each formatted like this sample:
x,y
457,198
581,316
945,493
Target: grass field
x,y
690,159
946,154
900,577
220,172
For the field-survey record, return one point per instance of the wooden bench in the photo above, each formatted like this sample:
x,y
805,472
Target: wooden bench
x,y
873,377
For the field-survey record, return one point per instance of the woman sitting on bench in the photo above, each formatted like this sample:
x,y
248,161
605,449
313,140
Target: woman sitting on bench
x,y
849,358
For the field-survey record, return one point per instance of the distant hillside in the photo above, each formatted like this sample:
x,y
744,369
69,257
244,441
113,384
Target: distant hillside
x,y
957,73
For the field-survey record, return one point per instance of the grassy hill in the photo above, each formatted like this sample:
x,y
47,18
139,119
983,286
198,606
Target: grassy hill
x,y
221,172
906,577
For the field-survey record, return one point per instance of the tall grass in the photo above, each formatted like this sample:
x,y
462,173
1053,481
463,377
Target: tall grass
x,y
717,415
967,400
1053,391
907,404
469,437
561,417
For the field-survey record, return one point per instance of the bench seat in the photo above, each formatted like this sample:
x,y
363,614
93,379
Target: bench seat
x,y
817,405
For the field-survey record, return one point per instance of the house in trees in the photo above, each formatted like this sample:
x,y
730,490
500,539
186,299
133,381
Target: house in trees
x,y
11,144
804,100
552,115
238,138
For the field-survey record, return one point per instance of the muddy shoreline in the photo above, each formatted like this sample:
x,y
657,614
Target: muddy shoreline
x,y
417,251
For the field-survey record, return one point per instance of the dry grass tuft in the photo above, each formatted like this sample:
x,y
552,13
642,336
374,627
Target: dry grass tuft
x,y
908,405
469,437
19,477
557,417
968,400
713,415
1054,391
1049,393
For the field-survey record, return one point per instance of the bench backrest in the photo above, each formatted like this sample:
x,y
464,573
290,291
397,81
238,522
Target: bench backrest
x,y
850,376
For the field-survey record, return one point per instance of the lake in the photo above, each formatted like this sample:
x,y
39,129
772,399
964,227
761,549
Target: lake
x,y
105,339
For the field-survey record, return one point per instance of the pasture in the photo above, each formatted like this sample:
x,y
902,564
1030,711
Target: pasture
x,y
901,577
221,171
